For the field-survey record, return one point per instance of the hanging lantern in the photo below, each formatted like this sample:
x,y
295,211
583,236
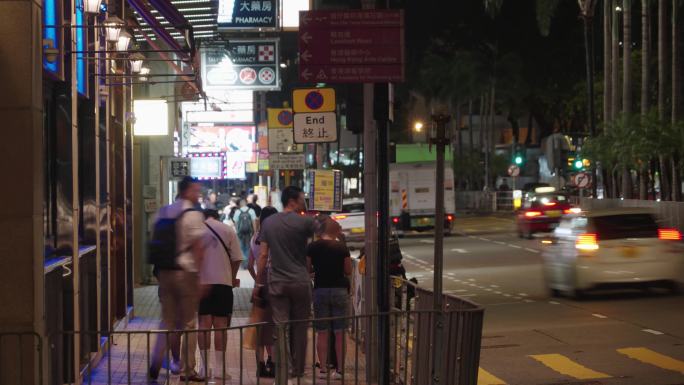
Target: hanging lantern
x,y
113,26
144,71
136,62
124,40
92,6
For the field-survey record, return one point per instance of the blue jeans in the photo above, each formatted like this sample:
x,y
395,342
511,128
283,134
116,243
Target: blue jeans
x,y
330,302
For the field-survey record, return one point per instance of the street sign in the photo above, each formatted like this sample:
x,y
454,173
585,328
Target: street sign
x,y
351,46
279,117
313,100
326,190
287,161
282,140
180,167
247,64
582,180
247,15
513,170
315,127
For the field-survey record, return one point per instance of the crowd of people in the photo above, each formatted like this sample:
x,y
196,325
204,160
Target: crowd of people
x,y
298,263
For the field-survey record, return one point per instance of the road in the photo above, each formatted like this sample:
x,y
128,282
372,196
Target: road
x,y
531,338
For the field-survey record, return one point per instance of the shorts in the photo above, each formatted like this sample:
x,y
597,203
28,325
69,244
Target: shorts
x,y
218,302
327,303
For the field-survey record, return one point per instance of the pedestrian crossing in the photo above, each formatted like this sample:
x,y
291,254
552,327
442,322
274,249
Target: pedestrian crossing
x,y
573,369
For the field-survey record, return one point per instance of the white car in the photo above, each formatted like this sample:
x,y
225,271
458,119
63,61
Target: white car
x,y
352,221
611,249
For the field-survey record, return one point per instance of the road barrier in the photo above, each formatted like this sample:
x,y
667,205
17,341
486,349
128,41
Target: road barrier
x,y
484,202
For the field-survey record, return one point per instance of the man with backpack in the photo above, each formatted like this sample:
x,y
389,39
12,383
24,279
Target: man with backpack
x,y
245,224
176,251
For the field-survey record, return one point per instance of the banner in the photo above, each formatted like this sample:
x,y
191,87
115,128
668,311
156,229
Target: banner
x,y
326,190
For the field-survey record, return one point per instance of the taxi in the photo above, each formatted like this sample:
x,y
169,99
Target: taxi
x,y
542,211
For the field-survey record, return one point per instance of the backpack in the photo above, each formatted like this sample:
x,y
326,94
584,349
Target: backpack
x,y
161,249
244,224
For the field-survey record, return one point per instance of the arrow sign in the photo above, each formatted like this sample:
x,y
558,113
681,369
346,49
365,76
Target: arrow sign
x,y
306,37
306,75
306,56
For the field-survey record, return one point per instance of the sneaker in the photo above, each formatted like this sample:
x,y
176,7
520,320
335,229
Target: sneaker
x,y
337,376
323,375
175,367
192,377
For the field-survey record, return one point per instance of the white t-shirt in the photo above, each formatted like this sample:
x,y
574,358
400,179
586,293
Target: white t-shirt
x,y
216,268
190,228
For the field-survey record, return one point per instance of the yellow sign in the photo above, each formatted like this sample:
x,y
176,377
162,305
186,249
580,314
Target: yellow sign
x,y
251,167
326,191
313,100
280,118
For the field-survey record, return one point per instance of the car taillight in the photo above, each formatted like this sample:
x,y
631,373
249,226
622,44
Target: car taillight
x,y
669,234
550,204
587,241
532,214
574,210
450,217
395,220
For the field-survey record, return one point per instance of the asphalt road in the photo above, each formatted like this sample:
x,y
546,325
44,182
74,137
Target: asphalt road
x,y
531,338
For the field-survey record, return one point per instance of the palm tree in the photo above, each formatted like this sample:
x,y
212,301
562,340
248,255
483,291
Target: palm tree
x,y
626,84
662,79
645,80
676,184
607,59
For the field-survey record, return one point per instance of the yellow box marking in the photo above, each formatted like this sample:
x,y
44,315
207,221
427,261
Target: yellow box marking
x,y
486,378
648,356
568,367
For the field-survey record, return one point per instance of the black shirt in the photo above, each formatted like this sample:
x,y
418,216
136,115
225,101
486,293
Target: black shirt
x,y
327,258
256,208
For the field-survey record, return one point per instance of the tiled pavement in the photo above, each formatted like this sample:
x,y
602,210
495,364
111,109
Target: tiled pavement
x,y
127,362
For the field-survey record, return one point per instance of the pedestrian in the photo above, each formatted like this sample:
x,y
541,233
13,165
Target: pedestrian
x,y
262,309
245,224
252,200
179,231
330,262
283,239
230,209
218,276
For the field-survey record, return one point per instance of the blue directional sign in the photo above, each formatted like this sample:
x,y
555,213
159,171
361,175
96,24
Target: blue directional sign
x,y
247,14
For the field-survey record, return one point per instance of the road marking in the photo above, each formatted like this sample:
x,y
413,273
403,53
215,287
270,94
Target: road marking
x,y
495,286
554,303
514,246
532,250
472,237
568,367
522,294
462,251
450,274
497,292
500,243
486,378
488,289
506,295
649,356
484,239
427,241
528,301
597,315
472,279
653,332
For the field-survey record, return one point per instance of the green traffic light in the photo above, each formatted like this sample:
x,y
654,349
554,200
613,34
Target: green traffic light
x,y
579,164
518,159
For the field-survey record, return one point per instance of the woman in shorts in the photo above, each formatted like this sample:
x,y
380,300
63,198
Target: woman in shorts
x,y
329,260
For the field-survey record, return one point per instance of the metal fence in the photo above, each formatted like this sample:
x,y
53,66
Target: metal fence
x,y
128,354
670,213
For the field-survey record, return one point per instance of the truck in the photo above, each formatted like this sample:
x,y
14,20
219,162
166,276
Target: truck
x,y
412,197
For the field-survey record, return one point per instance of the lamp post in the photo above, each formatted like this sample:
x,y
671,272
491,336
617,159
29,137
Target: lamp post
x,y
123,41
144,71
92,6
113,26
136,62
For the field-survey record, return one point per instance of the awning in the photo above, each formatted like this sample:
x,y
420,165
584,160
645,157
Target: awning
x,y
174,17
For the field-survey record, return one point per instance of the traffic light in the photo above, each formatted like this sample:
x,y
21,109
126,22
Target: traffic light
x,y
518,159
578,164
518,155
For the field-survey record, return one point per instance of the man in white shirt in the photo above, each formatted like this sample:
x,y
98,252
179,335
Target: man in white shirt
x,y
179,286
218,273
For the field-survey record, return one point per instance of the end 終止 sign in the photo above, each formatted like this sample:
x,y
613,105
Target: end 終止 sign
x,y
315,119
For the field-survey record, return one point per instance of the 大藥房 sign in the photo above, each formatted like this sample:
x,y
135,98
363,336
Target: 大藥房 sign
x,y
326,190
241,64
247,14
351,46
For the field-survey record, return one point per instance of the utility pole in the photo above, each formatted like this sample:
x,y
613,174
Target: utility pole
x,y
440,141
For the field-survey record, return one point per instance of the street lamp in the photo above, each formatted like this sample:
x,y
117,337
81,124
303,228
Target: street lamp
x,y
144,71
92,6
136,62
418,126
113,26
124,40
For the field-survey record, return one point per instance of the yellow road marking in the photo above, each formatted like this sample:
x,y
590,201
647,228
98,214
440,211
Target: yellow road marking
x,y
654,358
566,366
486,378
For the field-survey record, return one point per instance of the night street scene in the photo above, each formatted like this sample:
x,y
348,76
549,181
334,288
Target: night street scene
x,y
366,192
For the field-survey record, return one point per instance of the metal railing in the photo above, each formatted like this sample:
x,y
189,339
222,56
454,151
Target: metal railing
x,y
127,354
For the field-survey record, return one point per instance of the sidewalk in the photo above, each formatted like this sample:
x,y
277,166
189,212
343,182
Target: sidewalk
x,y
114,366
